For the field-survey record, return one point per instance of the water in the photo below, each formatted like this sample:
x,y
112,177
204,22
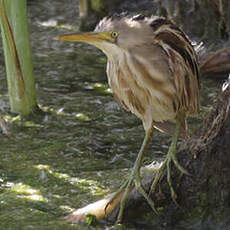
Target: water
x,y
78,151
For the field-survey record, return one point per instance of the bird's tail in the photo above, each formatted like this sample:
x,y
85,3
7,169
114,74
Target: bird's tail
x,y
169,128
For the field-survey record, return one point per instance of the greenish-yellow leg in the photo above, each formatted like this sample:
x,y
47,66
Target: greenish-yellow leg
x,y
171,156
134,178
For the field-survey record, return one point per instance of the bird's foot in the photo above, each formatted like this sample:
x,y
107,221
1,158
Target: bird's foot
x,y
133,180
171,157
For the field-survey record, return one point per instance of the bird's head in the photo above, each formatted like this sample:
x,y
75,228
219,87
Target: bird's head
x,y
115,33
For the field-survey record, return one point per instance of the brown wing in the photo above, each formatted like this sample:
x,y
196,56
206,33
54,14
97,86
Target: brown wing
x,y
183,62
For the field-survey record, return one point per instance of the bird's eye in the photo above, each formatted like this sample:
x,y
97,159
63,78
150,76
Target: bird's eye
x,y
114,34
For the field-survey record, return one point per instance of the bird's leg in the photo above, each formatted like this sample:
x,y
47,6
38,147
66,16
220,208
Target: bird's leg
x,y
171,156
134,178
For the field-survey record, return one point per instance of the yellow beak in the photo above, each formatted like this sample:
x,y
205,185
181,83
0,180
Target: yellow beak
x,y
82,37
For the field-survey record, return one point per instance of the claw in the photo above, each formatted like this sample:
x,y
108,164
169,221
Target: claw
x,y
134,180
180,168
171,156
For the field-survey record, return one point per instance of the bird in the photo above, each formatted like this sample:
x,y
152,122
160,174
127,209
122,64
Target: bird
x,y
153,72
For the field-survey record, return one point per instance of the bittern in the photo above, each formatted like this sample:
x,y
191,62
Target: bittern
x,y
153,72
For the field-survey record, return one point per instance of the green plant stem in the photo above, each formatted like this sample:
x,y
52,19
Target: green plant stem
x,y
18,57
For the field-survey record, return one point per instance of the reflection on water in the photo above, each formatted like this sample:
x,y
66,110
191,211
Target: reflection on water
x,y
86,134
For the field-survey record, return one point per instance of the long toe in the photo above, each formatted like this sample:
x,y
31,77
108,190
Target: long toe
x,y
116,195
179,167
134,179
141,190
157,178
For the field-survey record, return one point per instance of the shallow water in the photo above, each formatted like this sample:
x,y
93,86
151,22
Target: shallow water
x,y
79,150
